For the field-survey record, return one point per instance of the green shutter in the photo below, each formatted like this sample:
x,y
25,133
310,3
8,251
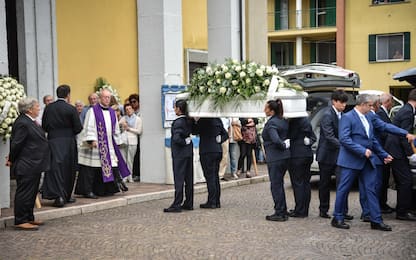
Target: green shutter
x,y
313,52
313,13
331,13
407,46
273,53
291,53
372,47
277,14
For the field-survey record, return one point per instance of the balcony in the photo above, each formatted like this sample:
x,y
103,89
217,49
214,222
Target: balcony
x,y
300,20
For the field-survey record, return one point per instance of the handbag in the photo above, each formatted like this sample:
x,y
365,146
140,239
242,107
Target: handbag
x,y
249,134
237,136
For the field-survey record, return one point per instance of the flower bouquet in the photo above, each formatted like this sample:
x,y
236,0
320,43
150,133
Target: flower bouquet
x,y
101,83
10,93
241,89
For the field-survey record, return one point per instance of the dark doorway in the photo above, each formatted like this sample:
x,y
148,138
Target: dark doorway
x,y
11,27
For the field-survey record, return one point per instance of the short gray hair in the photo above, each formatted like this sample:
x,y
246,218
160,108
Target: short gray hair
x,y
79,102
385,97
364,98
26,104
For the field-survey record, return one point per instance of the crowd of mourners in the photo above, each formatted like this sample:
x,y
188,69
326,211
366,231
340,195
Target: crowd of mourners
x,y
93,150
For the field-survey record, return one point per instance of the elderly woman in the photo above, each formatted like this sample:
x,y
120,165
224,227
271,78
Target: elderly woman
x,y
276,144
28,158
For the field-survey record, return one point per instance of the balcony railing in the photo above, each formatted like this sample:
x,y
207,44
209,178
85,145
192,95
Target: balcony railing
x,y
304,19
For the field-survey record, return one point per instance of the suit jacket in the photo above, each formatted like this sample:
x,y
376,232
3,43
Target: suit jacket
x,y
275,131
328,146
29,150
208,129
381,127
299,128
385,117
397,146
61,119
354,142
181,129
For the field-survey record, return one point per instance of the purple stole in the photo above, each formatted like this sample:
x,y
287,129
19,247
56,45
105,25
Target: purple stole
x,y
103,150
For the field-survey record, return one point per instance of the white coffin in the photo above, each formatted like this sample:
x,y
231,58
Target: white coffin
x,y
294,105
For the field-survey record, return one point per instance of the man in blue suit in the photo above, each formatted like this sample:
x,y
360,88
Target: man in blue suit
x,y
359,155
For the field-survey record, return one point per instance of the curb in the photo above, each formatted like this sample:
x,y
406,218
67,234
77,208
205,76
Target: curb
x,y
126,200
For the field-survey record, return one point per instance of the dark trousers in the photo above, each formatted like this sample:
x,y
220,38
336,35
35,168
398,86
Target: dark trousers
x,y
24,200
210,163
385,176
136,161
368,180
245,152
300,177
183,175
403,178
325,173
85,180
277,170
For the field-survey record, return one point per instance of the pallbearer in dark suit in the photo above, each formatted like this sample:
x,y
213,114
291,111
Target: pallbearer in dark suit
x,y
28,158
328,148
400,149
301,156
61,121
182,159
276,145
212,134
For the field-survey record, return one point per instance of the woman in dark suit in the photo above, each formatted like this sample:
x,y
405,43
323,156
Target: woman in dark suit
x,y
276,144
301,156
28,158
182,159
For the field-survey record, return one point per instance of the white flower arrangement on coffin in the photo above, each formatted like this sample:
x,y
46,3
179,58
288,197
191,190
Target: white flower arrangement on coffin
x,y
240,89
10,94
102,83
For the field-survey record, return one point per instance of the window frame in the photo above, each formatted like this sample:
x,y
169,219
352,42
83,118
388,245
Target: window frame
x,y
373,46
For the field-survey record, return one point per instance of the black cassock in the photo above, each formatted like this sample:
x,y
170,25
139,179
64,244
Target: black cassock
x,y
61,121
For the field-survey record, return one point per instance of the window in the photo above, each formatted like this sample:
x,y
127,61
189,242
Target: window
x,y
322,13
281,19
282,53
389,47
195,59
377,2
324,52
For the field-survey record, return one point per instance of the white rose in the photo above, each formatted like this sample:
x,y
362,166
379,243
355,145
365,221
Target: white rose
x,y
224,68
223,90
7,136
248,80
266,82
1,89
257,88
228,75
217,73
234,82
4,125
201,89
262,67
243,66
242,74
7,85
2,131
235,61
218,81
268,70
238,68
259,72
8,120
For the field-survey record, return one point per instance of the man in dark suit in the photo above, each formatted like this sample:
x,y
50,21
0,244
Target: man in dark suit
x,y
328,147
359,155
400,149
212,134
301,138
28,158
61,121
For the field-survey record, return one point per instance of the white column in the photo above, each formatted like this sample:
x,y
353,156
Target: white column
x,y
36,37
160,62
4,147
223,30
256,28
299,51
298,14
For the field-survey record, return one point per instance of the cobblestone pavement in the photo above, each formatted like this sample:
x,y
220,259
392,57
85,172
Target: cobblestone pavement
x,y
236,231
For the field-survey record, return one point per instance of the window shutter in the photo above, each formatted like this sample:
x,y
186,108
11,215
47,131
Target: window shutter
x,y
313,13
406,46
372,47
277,14
313,52
330,18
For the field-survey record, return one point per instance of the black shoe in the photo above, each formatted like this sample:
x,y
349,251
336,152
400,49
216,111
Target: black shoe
x,y
339,224
386,209
208,206
408,216
172,210
348,217
71,200
59,202
293,214
187,207
122,186
90,195
380,226
324,215
365,219
218,205
276,217
136,179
